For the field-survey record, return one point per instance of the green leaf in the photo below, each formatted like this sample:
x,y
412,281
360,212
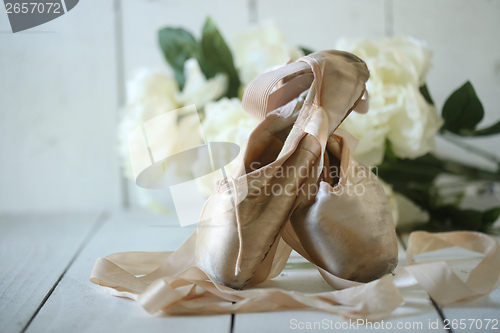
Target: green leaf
x,y
491,215
306,50
422,170
491,130
468,219
425,92
463,111
217,58
178,45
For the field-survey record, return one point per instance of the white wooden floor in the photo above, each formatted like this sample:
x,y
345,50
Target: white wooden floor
x,y
45,263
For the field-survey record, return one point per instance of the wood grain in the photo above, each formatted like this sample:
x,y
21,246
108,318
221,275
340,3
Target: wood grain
x,y
58,111
77,305
34,253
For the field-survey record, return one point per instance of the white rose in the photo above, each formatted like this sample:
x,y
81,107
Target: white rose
x,y
372,129
416,51
413,128
398,112
153,89
197,89
225,121
262,47
151,93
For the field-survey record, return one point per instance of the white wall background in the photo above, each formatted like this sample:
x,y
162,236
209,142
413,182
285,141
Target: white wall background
x,y
61,84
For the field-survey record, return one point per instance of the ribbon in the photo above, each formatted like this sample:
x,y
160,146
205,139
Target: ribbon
x,y
169,283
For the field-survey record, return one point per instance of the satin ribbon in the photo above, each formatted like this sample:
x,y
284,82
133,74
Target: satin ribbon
x,y
170,283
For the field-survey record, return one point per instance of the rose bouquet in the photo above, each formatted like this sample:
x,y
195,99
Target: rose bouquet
x,y
396,137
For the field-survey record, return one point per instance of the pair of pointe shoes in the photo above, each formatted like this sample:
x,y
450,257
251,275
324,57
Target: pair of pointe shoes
x,y
297,168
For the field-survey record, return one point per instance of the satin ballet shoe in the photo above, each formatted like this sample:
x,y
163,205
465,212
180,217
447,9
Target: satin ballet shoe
x,y
300,104
234,236
344,223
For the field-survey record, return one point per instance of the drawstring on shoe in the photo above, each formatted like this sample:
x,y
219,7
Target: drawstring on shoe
x,y
237,269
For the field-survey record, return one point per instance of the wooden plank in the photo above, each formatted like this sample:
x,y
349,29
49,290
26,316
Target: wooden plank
x,y
77,305
418,309
477,312
318,24
58,111
35,251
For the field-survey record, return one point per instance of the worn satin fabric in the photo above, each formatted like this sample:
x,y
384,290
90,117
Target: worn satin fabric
x,y
236,237
343,220
170,283
246,234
